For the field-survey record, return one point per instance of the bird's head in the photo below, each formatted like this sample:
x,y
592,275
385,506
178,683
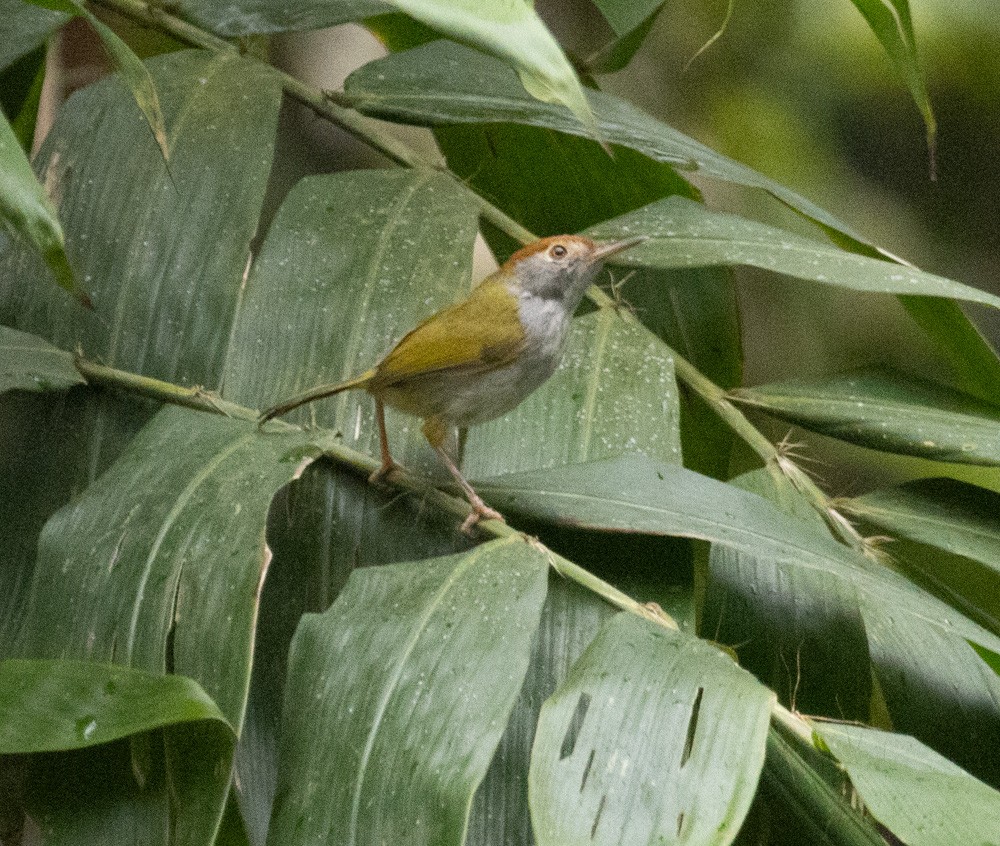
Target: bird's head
x,y
563,266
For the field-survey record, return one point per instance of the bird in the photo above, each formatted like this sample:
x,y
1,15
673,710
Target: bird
x,y
474,361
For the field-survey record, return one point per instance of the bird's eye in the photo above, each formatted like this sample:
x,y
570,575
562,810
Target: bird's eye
x,y
558,251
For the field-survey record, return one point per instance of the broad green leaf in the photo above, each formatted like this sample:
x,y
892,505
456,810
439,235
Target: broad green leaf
x,y
686,234
26,28
614,393
390,744
351,263
164,258
321,528
888,412
654,737
570,620
799,630
50,705
808,799
26,210
186,545
973,361
952,545
134,73
508,29
30,363
634,494
631,22
891,22
160,554
959,518
163,254
937,688
921,797
443,83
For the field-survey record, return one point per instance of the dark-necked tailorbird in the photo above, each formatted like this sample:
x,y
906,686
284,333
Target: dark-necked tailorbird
x,y
476,360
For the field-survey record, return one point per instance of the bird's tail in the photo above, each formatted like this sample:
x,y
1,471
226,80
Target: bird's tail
x,y
313,394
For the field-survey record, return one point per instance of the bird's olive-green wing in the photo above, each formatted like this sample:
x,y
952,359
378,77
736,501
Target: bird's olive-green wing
x,y
481,333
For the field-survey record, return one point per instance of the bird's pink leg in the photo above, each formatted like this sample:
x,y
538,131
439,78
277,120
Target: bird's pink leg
x,y
388,464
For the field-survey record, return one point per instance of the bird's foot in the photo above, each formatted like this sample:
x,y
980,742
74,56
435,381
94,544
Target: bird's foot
x,y
384,471
480,511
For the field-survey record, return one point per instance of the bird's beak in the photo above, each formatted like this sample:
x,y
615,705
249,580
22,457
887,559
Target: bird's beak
x,y
612,248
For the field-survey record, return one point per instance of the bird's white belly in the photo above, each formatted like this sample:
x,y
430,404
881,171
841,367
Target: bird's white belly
x,y
498,391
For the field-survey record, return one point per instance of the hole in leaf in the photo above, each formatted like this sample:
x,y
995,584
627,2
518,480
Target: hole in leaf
x,y
597,816
586,769
575,724
692,726
680,823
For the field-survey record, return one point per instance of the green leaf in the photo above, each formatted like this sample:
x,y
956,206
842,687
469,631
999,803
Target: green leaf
x,y
30,363
511,31
654,737
570,620
26,28
921,797
443,83
952,544
160,554
888,412
351,263
614,393
937,688
165,259
807,797
798,629
973,361
133,71
390,744
634,494
891,22
26,209
959,518
50,705
631,23
322,527
686,234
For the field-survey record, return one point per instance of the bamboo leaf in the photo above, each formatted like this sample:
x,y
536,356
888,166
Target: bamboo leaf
x,y
799,630
51,705
571,618
158,554
163,257
351,263
26,28
390,745
686,234
614,392
654,737
443,83
921,797
955,516
888,412
30,363
512,31
133,71
937,688
891,22
26,209
634,494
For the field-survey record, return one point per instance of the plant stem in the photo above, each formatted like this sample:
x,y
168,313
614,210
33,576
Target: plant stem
x,y
203,400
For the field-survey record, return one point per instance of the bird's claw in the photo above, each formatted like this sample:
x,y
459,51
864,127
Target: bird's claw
x,y
383,472
479,512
